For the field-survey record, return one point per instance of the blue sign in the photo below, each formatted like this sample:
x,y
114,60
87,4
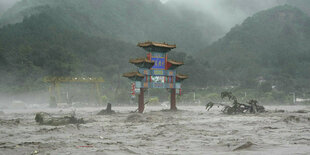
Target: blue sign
x,y
159,63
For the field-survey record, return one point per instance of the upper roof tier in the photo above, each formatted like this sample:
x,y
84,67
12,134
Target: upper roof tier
x,y
175,62
135,76
155,44
142,62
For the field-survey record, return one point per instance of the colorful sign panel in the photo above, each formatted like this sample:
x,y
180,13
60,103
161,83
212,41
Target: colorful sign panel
x,y
159,63
133,88
138,84
158,79
158,85
158,72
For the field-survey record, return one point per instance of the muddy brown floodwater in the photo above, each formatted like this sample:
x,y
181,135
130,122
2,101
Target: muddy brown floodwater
x,y
192,130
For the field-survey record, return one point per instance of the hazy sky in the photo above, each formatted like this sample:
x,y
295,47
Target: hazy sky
x,y
5,4
228,12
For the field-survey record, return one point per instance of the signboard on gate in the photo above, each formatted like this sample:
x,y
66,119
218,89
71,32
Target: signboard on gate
x,y
158,79
159,63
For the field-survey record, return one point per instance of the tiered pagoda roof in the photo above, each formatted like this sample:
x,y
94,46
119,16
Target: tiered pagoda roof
x,y
135,76
171,64
142,62
155,44
181,77
159,50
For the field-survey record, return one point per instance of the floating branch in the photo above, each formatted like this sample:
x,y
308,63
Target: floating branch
x,y
236,107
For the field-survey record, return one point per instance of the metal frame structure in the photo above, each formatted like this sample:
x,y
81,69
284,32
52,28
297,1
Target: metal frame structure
x,y
55,81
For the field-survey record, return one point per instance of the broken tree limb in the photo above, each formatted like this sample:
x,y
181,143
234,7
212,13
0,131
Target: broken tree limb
x,y
211,104
144,104
236,107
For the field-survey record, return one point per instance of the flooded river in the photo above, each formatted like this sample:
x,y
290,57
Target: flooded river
x,y
191,130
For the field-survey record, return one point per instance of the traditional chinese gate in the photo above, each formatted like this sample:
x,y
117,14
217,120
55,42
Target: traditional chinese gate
x,y
156,71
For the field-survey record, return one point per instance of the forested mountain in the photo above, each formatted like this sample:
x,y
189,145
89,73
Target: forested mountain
x,y
63,41
190,25
271,46
127,20
42,45
41,38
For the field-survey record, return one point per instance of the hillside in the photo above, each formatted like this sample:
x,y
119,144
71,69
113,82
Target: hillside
x,y
271,46
45,45
62,38
228,13
127,20
42,46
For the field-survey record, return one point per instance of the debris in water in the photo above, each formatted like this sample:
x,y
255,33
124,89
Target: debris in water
x,y
237,108
269,127
7,145
243,146
9,122
144,105
134,118
291,119
107,111
297,119
302,111
279,111
34,152
46,119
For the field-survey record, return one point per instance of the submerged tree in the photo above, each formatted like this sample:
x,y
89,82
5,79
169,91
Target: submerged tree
x,y
237,108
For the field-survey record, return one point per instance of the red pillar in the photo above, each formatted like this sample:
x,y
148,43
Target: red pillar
x,y
172,100
141,101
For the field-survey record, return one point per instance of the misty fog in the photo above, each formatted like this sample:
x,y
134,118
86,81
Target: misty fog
x,y
227,12
154,77
6,4
210,20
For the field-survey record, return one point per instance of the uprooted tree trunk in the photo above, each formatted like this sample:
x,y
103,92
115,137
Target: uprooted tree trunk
x,y
107,111
237,108
46,119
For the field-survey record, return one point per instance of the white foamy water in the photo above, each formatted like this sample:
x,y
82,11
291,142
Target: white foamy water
x,y
192,130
